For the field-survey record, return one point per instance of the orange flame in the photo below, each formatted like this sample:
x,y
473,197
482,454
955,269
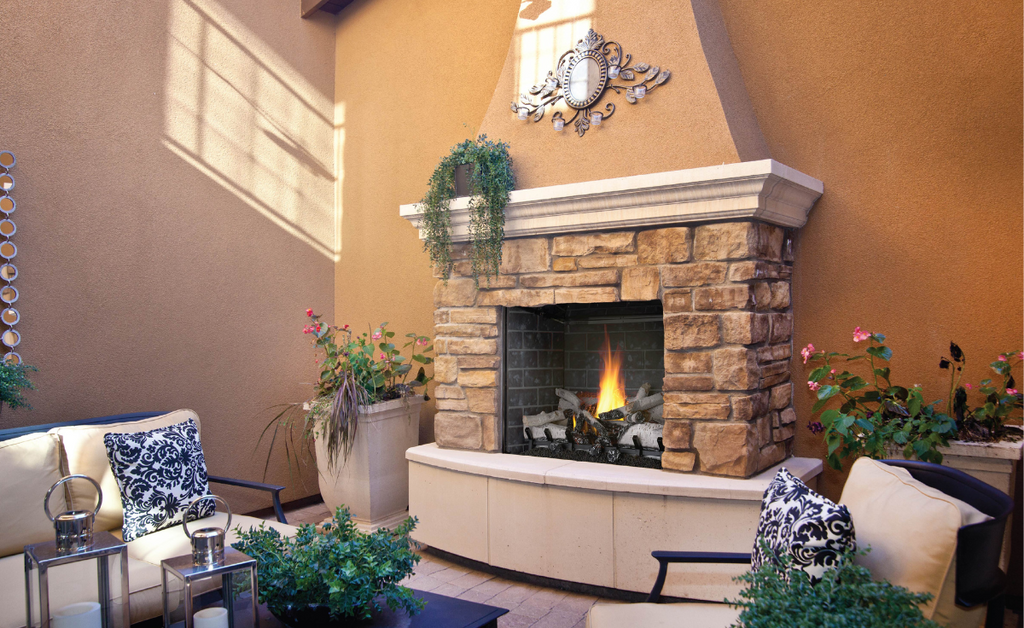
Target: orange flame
x,y
612,394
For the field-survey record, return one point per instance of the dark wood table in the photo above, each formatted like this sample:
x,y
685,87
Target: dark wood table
x,y
440,612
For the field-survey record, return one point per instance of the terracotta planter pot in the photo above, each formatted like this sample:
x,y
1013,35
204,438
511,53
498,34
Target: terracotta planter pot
x,y
373,481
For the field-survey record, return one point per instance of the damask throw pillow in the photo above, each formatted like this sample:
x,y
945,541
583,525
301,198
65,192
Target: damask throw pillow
x,y
159,473
797,521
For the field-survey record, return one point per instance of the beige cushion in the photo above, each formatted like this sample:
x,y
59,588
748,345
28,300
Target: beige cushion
x,y
75,583
30,465
172,541
911,529
84,452
690,615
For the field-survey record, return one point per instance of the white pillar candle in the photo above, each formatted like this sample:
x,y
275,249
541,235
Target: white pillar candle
x,y
80,615
211,618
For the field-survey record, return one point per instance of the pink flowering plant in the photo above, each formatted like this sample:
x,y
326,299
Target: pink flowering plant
x,y
873,414
1002,400
355,370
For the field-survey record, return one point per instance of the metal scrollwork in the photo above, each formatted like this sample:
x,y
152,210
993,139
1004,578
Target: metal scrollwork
x,y
583,76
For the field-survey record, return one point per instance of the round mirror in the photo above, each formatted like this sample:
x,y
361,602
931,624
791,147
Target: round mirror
x,y
7,205
7,159
6,182
12,358
8,250
11,338
8,272
9,294
7,227
10,316
584,79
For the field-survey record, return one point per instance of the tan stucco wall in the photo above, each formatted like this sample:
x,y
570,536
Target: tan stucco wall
x,y
175,210
910,114
411,82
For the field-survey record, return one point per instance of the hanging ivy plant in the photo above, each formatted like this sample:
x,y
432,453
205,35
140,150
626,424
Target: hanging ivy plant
x,y
491,182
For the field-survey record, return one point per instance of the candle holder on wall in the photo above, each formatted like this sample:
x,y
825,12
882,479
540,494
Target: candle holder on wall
x,y
585,74
9,316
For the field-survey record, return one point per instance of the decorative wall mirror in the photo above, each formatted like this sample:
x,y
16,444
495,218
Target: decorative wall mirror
x,y
582,77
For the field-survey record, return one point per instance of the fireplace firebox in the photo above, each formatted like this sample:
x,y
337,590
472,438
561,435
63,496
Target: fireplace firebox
x,y
583,381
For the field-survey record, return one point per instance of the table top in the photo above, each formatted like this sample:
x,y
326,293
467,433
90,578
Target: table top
x,y
440,612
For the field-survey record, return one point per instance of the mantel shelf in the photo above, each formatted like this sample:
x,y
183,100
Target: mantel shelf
x,y
762,190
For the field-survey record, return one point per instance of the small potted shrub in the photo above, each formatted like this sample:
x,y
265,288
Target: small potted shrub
x,y
13,380
339,576
779,595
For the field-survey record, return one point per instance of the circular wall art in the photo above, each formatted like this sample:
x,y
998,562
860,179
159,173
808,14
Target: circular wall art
x,y
10,317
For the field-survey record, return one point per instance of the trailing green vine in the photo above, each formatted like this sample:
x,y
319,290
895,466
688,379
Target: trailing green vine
x,y
491,183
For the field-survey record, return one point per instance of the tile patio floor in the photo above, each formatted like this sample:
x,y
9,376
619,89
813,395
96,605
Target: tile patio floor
x,y
530,606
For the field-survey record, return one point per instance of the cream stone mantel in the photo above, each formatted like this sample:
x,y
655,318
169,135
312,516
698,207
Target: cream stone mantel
x,y
763,190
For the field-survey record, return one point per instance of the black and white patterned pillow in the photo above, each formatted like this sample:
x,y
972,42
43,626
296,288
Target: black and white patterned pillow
x,y
797,521
159,473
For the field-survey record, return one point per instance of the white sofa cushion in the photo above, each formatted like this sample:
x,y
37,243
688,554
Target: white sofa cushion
x,y
911,529
84,452
30,465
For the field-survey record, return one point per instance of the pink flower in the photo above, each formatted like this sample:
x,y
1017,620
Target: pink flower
x,y
422,342
344,326
813,385
807,352
318,327
1002,358
1011,391
969,387
377,335
308,329
832,372
309,312
1021,355
859,335
382,356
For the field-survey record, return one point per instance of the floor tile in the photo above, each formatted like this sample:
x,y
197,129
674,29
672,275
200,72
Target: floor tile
x,y
514,620
558,619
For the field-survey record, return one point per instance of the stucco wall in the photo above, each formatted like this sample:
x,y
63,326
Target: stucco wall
x,y
175,210
412,80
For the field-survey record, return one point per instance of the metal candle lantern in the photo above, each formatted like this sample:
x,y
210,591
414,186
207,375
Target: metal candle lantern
x,y
209,585
58,571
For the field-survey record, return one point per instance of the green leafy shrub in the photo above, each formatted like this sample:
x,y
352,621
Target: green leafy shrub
x,y
1003,401
781,596
341,568
14,379
874,415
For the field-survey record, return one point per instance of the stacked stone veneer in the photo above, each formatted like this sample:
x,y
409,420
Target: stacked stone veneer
x,y
725,290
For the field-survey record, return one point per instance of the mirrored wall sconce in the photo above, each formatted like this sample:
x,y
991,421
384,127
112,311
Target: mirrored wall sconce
x,y
583,76
8,251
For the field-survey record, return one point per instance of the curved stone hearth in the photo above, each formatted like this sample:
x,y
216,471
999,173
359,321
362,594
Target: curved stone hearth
x,y
587,523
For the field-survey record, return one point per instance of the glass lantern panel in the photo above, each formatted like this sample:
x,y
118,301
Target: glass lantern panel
x,y
231,591
81,594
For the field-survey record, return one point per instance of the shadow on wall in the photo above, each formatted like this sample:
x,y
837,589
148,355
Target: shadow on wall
x,y
241,115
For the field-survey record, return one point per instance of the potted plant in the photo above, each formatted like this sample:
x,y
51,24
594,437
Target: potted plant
x,y
338,576
487,167
13,380
875,417
363,416
986,445
779,595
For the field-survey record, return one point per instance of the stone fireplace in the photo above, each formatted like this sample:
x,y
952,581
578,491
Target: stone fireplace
x,y
713,246
697,265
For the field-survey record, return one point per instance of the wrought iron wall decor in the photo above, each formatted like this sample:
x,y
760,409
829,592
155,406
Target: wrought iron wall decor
x,y
582,77
9,316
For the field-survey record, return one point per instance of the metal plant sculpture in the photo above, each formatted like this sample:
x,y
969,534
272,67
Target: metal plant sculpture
x,y
583,76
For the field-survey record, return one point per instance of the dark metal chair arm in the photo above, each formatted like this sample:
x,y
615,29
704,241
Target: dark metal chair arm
x,y
259,486
664,558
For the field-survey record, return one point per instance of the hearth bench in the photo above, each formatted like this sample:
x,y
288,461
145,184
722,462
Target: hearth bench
x,y
33,458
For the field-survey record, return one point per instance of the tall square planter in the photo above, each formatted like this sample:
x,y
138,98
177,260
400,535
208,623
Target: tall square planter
x,y
373,480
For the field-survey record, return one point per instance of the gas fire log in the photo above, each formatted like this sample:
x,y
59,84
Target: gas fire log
x,y
544,418
641,416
